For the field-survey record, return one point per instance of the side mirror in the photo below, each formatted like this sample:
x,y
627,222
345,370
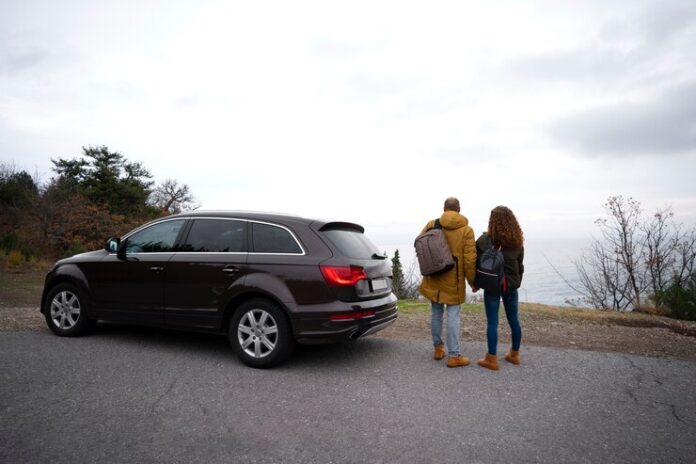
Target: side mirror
x,y
112,245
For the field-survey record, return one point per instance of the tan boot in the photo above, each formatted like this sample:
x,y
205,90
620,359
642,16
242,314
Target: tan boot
x,y
457,361
513,357
439,352
489,362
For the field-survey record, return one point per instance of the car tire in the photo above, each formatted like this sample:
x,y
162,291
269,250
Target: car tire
x,y
260,334
65,312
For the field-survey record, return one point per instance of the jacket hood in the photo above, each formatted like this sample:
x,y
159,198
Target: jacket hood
x,y
452,220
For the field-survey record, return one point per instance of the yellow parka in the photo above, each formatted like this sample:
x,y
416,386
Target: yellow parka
x,y
449,287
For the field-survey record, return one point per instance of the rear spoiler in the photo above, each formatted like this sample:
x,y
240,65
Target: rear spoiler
x,y
342,225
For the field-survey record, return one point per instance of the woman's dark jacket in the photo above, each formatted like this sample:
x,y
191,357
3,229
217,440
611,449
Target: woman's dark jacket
x,y
514,268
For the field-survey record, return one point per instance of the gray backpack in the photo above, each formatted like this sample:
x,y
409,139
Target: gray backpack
x,y
433,251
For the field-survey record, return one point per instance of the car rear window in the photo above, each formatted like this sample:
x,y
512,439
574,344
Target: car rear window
x,y
273,239
351,243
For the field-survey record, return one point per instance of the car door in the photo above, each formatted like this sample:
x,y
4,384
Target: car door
x,y
205,272
132,289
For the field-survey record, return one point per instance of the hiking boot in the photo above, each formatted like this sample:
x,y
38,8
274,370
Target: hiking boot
x,y
513,357
457,361
439,352
489,362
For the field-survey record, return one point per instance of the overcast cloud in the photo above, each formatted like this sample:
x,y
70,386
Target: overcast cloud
x,y
661,126
372,112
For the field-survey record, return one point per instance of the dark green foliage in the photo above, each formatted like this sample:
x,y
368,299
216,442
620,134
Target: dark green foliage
x,y
680,299
398,282
10,242
92,197
106,179
74,249
18,192
17,189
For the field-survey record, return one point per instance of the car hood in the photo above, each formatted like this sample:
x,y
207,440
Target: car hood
x,y
82,257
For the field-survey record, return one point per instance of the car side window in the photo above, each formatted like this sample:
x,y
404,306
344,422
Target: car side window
x,y
273,239
157,238
216,235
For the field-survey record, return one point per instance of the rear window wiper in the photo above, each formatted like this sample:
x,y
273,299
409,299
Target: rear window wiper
x,y
378,256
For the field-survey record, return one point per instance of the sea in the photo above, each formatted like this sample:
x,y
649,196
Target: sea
x,y
549,270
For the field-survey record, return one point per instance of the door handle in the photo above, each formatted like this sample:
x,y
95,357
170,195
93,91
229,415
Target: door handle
x,y
230,269
157,268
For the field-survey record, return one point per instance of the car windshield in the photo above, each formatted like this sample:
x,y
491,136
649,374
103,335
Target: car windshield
x,y
351,243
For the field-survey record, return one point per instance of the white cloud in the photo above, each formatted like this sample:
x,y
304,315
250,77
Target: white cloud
x,y
372,112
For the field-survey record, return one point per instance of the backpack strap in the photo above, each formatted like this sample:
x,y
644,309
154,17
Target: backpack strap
x,y
491,244
437,224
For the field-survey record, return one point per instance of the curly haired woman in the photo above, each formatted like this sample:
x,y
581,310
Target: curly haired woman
x,y
503,231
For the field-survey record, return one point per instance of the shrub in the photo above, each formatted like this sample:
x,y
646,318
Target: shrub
x,y
681,299
15,258
653,310
75,248
12,243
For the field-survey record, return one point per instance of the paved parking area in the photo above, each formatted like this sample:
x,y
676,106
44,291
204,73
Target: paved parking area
x,y
129,394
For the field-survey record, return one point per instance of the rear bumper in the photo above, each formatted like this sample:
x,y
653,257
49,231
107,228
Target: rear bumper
x,y
317,327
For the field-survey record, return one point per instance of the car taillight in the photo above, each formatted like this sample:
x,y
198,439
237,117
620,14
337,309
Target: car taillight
x,y
343,276
352,316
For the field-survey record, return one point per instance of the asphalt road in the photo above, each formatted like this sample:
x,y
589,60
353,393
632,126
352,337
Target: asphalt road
x,y
130,395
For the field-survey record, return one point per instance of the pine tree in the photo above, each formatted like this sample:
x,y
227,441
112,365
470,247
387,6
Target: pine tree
x,y
106,179
398,283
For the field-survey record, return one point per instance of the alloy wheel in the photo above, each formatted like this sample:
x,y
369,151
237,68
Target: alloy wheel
x,y
257,333
65,310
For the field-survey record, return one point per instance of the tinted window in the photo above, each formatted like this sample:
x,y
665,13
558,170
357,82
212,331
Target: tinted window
x,y
272,239
216,235
156,238
351,243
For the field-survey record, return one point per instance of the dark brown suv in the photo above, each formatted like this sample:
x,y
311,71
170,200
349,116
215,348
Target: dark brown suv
x,y
264,280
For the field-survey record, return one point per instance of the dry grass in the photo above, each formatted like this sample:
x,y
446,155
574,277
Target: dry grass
x,y
20,294
561,327
22,285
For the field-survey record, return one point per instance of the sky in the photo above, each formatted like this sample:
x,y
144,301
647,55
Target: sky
x,y
371,112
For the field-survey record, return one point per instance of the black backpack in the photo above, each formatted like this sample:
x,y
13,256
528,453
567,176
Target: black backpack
x,y
433,251
490,269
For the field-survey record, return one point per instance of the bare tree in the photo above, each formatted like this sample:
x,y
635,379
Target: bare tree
x,y
412,279
172,197
661,239
603,283
685,261
621,232
636,259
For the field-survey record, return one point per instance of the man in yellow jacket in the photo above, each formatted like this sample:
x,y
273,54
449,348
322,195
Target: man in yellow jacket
x,y
448,288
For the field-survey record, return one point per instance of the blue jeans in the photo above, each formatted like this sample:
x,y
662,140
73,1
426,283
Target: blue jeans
x,y
438,311
491,301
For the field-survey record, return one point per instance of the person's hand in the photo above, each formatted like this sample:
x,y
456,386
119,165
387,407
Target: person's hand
x,y
474,288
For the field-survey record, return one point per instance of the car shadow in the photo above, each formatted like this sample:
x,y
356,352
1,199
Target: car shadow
x,y
216,346
361,352
192,342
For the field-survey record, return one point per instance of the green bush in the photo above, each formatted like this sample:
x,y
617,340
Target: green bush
x,y
11,243
75,248
681,299
15,258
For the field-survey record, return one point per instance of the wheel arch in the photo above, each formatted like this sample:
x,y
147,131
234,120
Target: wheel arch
x,y
238,300
68,274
